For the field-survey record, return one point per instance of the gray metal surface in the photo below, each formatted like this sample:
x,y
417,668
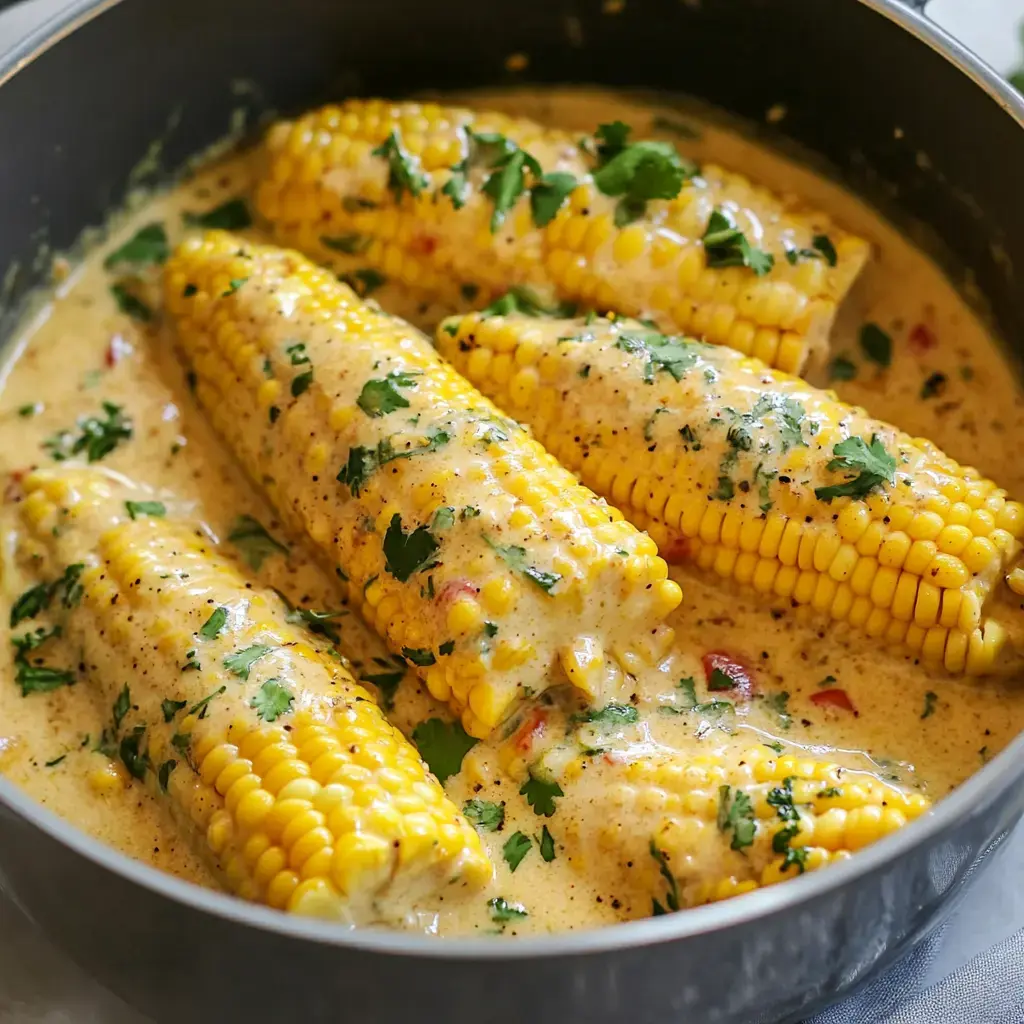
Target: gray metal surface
x,y
186,954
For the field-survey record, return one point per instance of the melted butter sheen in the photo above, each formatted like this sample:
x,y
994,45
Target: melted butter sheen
x,y
82,351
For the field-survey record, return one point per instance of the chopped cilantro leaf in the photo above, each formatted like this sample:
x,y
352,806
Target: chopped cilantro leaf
x,y
132,757
664,353
350,244
211,628
515,558
548,195
842,368
380,397
201,707
272,700
56,761
876,344
502,911
421,656
726,246
98,435
523,301
736,812
145,508
240,663
612,714
164,774
404,170
130,304
407,553
41,678
541,795
672,896
778,704
364,281
233,215
930,699
362,462
171,707
516,847
442,745
447,647
122,705
486,816
689,690
33,639
387,684
547,845
301,383
872,463
148,245
253,542
31,603
233,285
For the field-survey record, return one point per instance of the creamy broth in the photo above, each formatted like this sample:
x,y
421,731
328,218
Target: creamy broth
x,y
948,381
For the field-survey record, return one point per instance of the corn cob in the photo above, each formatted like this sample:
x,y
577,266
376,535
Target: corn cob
x,y
468,548
409,187
279,766
726,827
749,472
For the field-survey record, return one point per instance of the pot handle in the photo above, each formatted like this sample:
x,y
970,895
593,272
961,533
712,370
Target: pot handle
x,y
914,5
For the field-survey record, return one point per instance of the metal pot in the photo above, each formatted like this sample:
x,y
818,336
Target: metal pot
x,y
868,86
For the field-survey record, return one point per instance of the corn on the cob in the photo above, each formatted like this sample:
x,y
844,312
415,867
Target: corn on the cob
x,y
750,472
438,197
727,827
467,547
280,767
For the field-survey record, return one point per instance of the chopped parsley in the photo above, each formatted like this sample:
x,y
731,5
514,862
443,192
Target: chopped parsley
x,y
515,558
726,246
132,756
442,745
407,553
212,627
516,847
171,707
233,215
130,304
380,397
873,465
876,344
611,714
364,281
546,845
253,542
41,678
164,774
272,700
934,385
421,656
362,462
541,795
145,508
548,195
240,663
148,245
930,700
405,173
486,816
842,368
637,172
736,813
98,435
663,353
350,244
502,911
672,896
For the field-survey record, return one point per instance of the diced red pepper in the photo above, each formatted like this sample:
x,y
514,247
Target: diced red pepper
x,y
835,698
724,672
531,730
117,350
921,339
425,244
677,549
454,589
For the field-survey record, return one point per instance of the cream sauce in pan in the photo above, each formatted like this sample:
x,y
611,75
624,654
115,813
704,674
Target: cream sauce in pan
x,y
947,380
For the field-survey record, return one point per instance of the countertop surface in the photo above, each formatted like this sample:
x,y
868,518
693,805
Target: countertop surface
x,y
38,985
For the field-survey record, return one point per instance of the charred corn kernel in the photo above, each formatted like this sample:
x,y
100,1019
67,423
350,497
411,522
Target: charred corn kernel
x,y
708,454
265,736
321,183
432,550
757,818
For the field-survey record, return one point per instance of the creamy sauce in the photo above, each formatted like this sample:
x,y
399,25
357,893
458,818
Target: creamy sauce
x,y
81,351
